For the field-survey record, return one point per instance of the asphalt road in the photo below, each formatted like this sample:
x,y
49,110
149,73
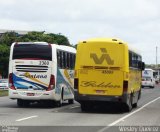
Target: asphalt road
x,y
69,118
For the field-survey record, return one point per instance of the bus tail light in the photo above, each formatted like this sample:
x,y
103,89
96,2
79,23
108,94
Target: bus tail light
x,y
11,85
125,86
75,83
52,83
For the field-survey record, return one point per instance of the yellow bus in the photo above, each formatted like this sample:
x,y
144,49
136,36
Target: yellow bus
x,y
107,70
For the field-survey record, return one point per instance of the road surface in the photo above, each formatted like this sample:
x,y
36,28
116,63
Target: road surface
x,y
70,118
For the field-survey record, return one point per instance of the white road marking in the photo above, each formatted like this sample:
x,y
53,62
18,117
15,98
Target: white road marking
x,y
26,118
74,107
130,114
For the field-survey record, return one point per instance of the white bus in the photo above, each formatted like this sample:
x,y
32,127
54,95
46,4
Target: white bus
x,y
40,72
148,78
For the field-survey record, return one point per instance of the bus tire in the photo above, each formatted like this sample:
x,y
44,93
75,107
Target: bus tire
x,y
134,105
129,105
59,103
20,103
139,94
26,103
50,103
71,101
85,106
137,98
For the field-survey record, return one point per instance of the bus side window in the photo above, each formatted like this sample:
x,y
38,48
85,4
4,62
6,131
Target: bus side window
x,y
68,62
74,57
133,60
64,60
136,61
61,59
71,58
58,59
130,59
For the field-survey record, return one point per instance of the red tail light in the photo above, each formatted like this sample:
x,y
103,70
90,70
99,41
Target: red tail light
x,y
51,84
11,85
125,86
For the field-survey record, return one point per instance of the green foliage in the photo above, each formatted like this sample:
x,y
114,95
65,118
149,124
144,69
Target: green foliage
x,y
8,38
152,66
3,93
41,36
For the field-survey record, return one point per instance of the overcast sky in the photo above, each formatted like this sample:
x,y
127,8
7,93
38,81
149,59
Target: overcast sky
x,y
134,21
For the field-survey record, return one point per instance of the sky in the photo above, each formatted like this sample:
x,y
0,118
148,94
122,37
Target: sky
x,y
134,21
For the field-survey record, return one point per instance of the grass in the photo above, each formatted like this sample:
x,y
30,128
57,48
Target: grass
x,y
3,93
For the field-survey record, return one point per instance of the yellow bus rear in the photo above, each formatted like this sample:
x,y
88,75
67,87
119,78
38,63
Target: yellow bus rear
x,y
102,73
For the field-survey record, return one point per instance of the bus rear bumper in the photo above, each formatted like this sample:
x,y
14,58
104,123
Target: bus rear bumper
x,y
83,97
33,95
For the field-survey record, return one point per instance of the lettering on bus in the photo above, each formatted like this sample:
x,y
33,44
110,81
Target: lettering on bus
x,y
27,75
102,84
104,57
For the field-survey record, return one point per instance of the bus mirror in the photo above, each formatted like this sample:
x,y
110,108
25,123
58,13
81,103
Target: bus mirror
x,y
143,66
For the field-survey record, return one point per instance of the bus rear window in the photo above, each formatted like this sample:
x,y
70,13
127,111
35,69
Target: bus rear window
x,y
32,51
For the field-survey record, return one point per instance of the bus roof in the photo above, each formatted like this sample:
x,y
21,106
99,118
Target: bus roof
x,y
111,40
64,47
43,43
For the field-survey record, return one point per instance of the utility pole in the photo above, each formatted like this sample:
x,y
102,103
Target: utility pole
x,y
157,63
156,58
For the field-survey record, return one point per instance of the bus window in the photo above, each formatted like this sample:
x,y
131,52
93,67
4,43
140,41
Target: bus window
x,y
31,51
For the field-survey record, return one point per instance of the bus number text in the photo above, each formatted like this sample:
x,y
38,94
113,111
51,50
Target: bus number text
x,y
107,72
44,63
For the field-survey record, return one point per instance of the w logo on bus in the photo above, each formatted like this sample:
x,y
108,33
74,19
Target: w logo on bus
x,y
104,57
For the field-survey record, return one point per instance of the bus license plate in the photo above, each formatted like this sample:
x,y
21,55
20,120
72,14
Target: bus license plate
x,y
100,91
30,94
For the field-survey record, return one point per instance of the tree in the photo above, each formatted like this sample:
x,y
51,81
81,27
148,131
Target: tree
x,y
4,59
8,38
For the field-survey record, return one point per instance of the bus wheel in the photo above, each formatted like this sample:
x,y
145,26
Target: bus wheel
x,y
139,96
20,103
26,103
129,105
85,106
134,105
71,101
59,103
50,103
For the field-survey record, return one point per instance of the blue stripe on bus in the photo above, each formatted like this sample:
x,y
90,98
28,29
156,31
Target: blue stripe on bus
x,y
18,79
